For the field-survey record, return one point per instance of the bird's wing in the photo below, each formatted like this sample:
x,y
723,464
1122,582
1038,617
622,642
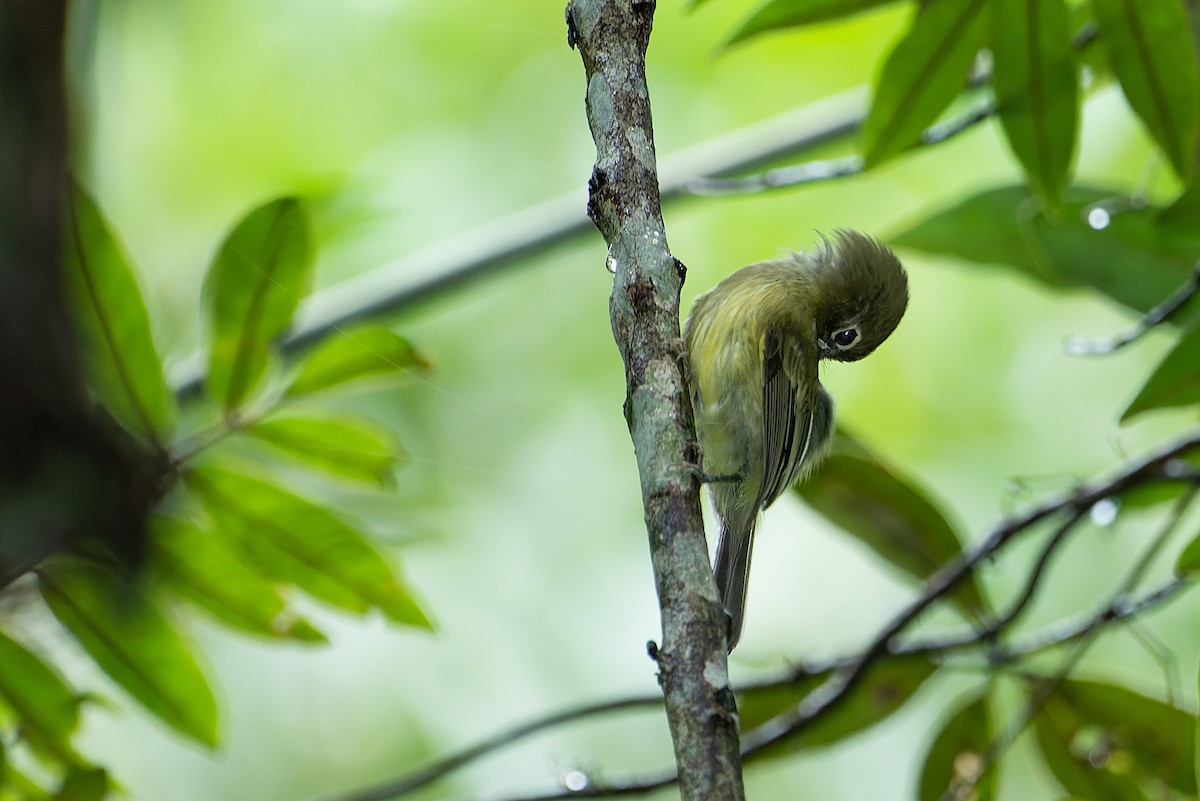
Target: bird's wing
x,y
787,417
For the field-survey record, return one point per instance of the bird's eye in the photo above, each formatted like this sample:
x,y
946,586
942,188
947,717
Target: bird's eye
x,y
845,338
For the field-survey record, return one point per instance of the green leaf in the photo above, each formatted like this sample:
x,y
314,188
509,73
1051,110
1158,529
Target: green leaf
x,y
201,567
957,753
777,14
1150,48
1130,257
1118,739
924,72
1036,88
260,274
47,708
122,364
131,639
84,784
1174,382
340,444
294,540
889,515
1189,560
1065,748
887,686
355,354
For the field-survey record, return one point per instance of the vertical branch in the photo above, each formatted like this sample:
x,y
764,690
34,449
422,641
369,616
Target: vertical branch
x,y
624,203
66,471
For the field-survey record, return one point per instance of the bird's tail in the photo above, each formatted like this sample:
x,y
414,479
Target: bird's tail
x,y
731,571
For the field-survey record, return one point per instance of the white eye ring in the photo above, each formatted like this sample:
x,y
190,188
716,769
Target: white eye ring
x,y
846,338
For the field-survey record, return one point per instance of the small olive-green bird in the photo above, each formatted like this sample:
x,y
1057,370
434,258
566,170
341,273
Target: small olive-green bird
x,y
754,342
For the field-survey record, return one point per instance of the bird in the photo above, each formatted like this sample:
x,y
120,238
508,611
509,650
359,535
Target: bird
x,y
754,343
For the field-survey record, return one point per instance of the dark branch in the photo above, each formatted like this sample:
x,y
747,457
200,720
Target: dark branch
x,y
1164,465
1151,319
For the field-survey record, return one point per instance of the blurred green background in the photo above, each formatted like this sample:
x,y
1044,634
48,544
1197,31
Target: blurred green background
x,y
518,515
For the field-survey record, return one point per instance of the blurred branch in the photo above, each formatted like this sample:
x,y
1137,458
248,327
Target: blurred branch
x,y
1083,640
1121,606
443,767
1163,465
517,238
67,471
624,202
827,169
1155,317
707,168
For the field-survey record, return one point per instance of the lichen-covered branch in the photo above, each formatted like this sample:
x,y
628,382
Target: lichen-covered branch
x,y
624,203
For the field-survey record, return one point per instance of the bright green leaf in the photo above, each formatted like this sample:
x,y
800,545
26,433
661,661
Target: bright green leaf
x,y
259,276
1129,256
1036,88
1150,49
47,708
123,367
924,72
1174,382
956,752
342,444
200,566
355,354
889,515
886,687
777,14
132,640
85,784
294,540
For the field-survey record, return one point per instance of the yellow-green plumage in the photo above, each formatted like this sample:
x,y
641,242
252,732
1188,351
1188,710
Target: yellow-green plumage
x,y
754,343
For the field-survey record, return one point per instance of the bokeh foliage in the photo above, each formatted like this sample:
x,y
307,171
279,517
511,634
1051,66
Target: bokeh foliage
x,y
254,525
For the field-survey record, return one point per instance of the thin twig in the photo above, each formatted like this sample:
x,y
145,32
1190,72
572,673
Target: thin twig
x,y
819,170
443,767
838,687
1048,685
1160,466
1160,314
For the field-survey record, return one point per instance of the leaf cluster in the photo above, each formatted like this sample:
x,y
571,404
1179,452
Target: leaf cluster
x,y
226,536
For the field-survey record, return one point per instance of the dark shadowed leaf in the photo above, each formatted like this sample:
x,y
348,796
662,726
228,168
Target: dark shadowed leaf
x,y
957,754
84,784
1174,382
201,567
344,445
1064,743
256,280
1150,48
1189,560
297,541
1130,256
777,14
1106,741
131,639
122,364
888,514
1036,88
885,688
926,70
355,354
47,708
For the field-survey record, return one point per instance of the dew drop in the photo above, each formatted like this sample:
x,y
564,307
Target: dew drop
x,y
1098,218
576,781
1103,512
